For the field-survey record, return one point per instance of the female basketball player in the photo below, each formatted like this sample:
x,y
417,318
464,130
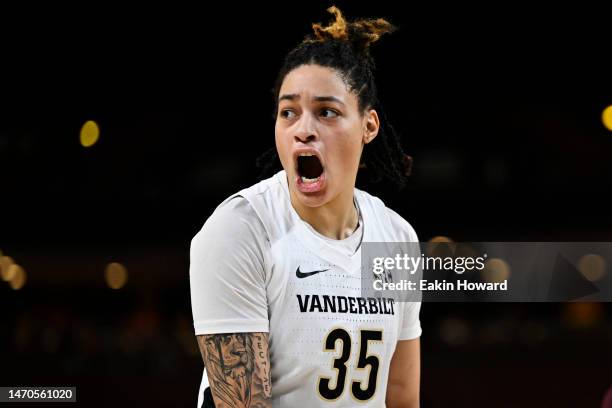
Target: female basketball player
x,y
275,271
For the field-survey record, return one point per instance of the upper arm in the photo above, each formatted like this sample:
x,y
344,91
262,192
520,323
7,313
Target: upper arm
x,y
238,369
227,272
405,375
229,305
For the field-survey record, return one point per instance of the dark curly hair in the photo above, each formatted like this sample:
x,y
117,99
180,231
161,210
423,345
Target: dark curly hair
x,y
345,47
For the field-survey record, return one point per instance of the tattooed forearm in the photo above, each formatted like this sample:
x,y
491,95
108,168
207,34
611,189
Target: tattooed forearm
x,y
238,368
262,365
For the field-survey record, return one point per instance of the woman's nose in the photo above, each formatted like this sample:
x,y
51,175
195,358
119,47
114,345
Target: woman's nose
x,y
305,131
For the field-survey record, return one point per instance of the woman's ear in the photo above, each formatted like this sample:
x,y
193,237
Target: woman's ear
x,y
371,125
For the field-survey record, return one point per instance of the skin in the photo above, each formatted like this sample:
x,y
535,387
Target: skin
x,y
238,369
404,375
337,130
317,111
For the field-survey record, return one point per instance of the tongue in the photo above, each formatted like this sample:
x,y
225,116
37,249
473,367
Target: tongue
x,y
309,166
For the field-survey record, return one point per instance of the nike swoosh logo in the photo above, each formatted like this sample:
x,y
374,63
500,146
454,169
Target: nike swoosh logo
x,y
307,274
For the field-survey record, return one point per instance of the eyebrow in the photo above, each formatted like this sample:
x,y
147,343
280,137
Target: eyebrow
x,y
293,97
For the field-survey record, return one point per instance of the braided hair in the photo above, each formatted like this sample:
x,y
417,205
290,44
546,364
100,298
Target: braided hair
x,y
345,47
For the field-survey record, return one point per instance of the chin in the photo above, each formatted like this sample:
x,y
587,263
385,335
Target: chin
x,y
311,201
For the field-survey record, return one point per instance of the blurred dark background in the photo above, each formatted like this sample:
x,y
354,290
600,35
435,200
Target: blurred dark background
x,y
500,109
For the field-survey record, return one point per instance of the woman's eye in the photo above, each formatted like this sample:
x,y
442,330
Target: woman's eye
x,y
287,114
329,113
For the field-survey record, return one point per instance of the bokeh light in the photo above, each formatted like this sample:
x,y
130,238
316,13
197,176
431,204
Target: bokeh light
x,y
583,315
18,277
496,270
5,268
440,246
115,275
606,117
440,239
592,266
90,132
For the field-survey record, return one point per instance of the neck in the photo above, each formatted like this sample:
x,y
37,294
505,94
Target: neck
x,y
336,219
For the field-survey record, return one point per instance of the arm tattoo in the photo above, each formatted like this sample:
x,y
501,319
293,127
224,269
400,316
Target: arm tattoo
x,y
238,368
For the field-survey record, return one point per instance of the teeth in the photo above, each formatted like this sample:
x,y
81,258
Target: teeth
x,y
306,154
307,180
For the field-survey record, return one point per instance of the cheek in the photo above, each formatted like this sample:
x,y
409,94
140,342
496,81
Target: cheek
x,y
282,144
346,150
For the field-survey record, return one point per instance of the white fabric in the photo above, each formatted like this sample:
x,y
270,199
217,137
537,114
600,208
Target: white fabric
x,y
243,279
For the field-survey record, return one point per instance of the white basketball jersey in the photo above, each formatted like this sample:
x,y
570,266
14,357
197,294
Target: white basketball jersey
x,y
329,346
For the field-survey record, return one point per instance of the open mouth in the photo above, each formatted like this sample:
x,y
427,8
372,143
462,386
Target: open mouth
x,y
309,168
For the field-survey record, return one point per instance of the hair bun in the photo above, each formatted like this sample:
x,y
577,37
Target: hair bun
x,y
361,33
